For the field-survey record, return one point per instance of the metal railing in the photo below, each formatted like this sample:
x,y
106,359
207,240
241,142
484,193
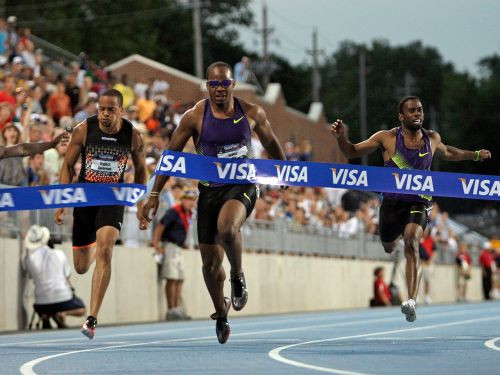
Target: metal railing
x,y
278,237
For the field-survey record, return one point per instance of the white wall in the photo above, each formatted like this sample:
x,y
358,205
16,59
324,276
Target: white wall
x,y
277,283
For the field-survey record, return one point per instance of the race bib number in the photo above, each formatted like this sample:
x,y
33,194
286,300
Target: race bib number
x,y
233,151
107,166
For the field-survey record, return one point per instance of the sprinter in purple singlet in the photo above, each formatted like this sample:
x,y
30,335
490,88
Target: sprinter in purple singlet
x,y
408,146
221,127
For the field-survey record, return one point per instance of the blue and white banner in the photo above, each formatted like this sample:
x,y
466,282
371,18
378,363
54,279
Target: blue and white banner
x,y
295,173
70,195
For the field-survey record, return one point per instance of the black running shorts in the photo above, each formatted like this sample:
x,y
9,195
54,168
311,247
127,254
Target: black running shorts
x,y
212,199
53,308
87,220
396,214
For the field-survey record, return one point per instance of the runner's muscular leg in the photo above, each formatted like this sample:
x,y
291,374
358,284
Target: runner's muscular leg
x,y
390,246
83,257
106,239
214,275
412,235
231,217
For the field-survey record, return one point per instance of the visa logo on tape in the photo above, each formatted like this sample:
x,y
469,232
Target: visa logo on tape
x,y
235,171
413,182
6,200
292,173
480,187
63,196
169,163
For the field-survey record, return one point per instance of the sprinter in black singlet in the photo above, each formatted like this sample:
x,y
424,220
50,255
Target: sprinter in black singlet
x,y
221,126
105,143
408,146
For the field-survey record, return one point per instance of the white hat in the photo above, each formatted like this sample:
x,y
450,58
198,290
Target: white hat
x,y
36,237
17,60
11,19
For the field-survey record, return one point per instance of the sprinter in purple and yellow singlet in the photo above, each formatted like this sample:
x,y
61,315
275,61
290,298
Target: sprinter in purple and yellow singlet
x,y
221,127
104,143
408,146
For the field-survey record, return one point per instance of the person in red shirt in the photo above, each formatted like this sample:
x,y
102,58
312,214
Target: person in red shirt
x,y
464,264
7,92
486,261
59,103
381,293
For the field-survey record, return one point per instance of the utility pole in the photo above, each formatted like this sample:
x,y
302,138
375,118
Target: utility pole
x,y
316,77
265,31
362,100
198,47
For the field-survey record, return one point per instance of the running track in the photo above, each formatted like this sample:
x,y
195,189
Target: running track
x,y
445,339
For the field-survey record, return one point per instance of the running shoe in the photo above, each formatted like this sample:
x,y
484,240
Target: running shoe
x,y
222,328
410,310
239,292
88,327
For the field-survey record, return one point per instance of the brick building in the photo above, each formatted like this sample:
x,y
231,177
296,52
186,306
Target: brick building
x,y
287,122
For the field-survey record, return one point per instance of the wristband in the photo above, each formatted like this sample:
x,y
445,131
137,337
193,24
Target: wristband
x,y
154,194
476,156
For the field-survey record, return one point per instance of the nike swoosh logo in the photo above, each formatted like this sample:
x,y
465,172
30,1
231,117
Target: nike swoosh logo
x,y
247,197
416,212
421,155
236,121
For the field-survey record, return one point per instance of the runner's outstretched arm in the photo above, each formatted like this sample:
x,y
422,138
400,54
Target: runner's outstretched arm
x,y
30,149
451,153
351,150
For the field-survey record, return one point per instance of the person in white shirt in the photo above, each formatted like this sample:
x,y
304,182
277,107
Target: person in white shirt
x,y
50,271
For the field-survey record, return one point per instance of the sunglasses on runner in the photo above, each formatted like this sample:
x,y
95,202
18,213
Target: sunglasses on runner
x,y
214,83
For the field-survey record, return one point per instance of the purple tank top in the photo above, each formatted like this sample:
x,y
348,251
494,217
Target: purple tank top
x,y
225,138
407,158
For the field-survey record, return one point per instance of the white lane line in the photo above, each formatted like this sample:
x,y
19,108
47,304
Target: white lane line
x,y
275,353
490,344
243,325
27,368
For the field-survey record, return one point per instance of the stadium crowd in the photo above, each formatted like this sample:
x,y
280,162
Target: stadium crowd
x,y
38,101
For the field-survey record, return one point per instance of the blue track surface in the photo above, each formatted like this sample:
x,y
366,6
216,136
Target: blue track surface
x,y
446,339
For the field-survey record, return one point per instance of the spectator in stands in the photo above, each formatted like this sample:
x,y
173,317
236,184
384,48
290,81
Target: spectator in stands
x,y
12,171
7,94
3,36
487,263
140,88
89,110
126,90
17,68
464,264
37,70
305,151
36,174
242,70
59,103
53,160
426,249
12,35
381,293
50,272
73,92
291,151
5,114
442,232
168,240
132,115
146,107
